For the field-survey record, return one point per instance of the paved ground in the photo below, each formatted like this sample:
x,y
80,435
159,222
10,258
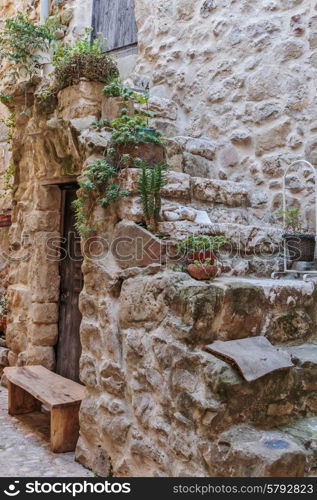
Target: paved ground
x,y
24,447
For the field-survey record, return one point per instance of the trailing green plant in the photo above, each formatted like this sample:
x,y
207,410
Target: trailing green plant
x,y
132,129
20,45
3,304
83,59
99,183
150,183
203,243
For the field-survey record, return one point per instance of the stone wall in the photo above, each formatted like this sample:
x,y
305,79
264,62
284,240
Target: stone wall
x,y
243,75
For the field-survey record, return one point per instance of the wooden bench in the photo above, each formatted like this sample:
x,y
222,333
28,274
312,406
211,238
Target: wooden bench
x,y
31,386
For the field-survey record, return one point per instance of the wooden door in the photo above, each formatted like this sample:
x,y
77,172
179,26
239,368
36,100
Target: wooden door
x,y
69,346
115,19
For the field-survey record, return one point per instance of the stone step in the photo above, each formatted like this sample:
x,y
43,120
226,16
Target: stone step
x,y
229,308
273,400
199,190
248,240
244,451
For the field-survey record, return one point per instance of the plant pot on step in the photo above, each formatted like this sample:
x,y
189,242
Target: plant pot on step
x,y
203,272
111,107
300,246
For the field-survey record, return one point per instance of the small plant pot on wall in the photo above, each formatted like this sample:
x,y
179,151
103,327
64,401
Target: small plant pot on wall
x,y
111,107
300,246
203,272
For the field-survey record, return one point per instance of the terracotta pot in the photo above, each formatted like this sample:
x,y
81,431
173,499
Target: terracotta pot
x,y
3,324
5,220
203,272
202,256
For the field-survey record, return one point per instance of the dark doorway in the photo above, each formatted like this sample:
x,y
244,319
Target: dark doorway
x,y
115,19
68,350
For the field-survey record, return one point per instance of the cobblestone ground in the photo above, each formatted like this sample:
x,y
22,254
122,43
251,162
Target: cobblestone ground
x,y
24,447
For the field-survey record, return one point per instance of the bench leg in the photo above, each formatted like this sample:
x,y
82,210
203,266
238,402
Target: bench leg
x,y
20,401
64,428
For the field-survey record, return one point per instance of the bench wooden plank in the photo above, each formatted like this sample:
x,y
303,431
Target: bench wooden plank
x,y
48,387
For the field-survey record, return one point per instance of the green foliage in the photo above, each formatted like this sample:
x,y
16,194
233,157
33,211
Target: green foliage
x,y
116,89
99,125
201,243
206,262
10,125
132,129
3,304
7,180
151,180
82,59
20,42
293,221
65,51
5,98
99,183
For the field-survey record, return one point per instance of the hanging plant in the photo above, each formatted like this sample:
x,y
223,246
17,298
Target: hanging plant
x,y
99,184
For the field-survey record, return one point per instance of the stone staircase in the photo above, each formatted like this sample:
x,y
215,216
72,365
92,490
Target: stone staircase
x,y
195,205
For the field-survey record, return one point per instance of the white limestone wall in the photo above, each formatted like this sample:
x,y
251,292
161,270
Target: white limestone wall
x,y
243,75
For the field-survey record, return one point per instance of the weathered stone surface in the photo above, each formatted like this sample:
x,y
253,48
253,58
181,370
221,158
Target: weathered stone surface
x,y
273,137
44,313
80,100
111,107
246,452
135,246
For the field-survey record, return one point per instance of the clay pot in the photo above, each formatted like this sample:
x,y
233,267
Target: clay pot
x,y
5,220
203,272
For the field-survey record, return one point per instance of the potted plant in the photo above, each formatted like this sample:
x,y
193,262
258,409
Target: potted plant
x,y
204,270
300,243
3,312
200,248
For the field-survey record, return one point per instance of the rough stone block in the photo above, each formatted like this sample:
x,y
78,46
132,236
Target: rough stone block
x,y
44,313
111,107
134,246
246,452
